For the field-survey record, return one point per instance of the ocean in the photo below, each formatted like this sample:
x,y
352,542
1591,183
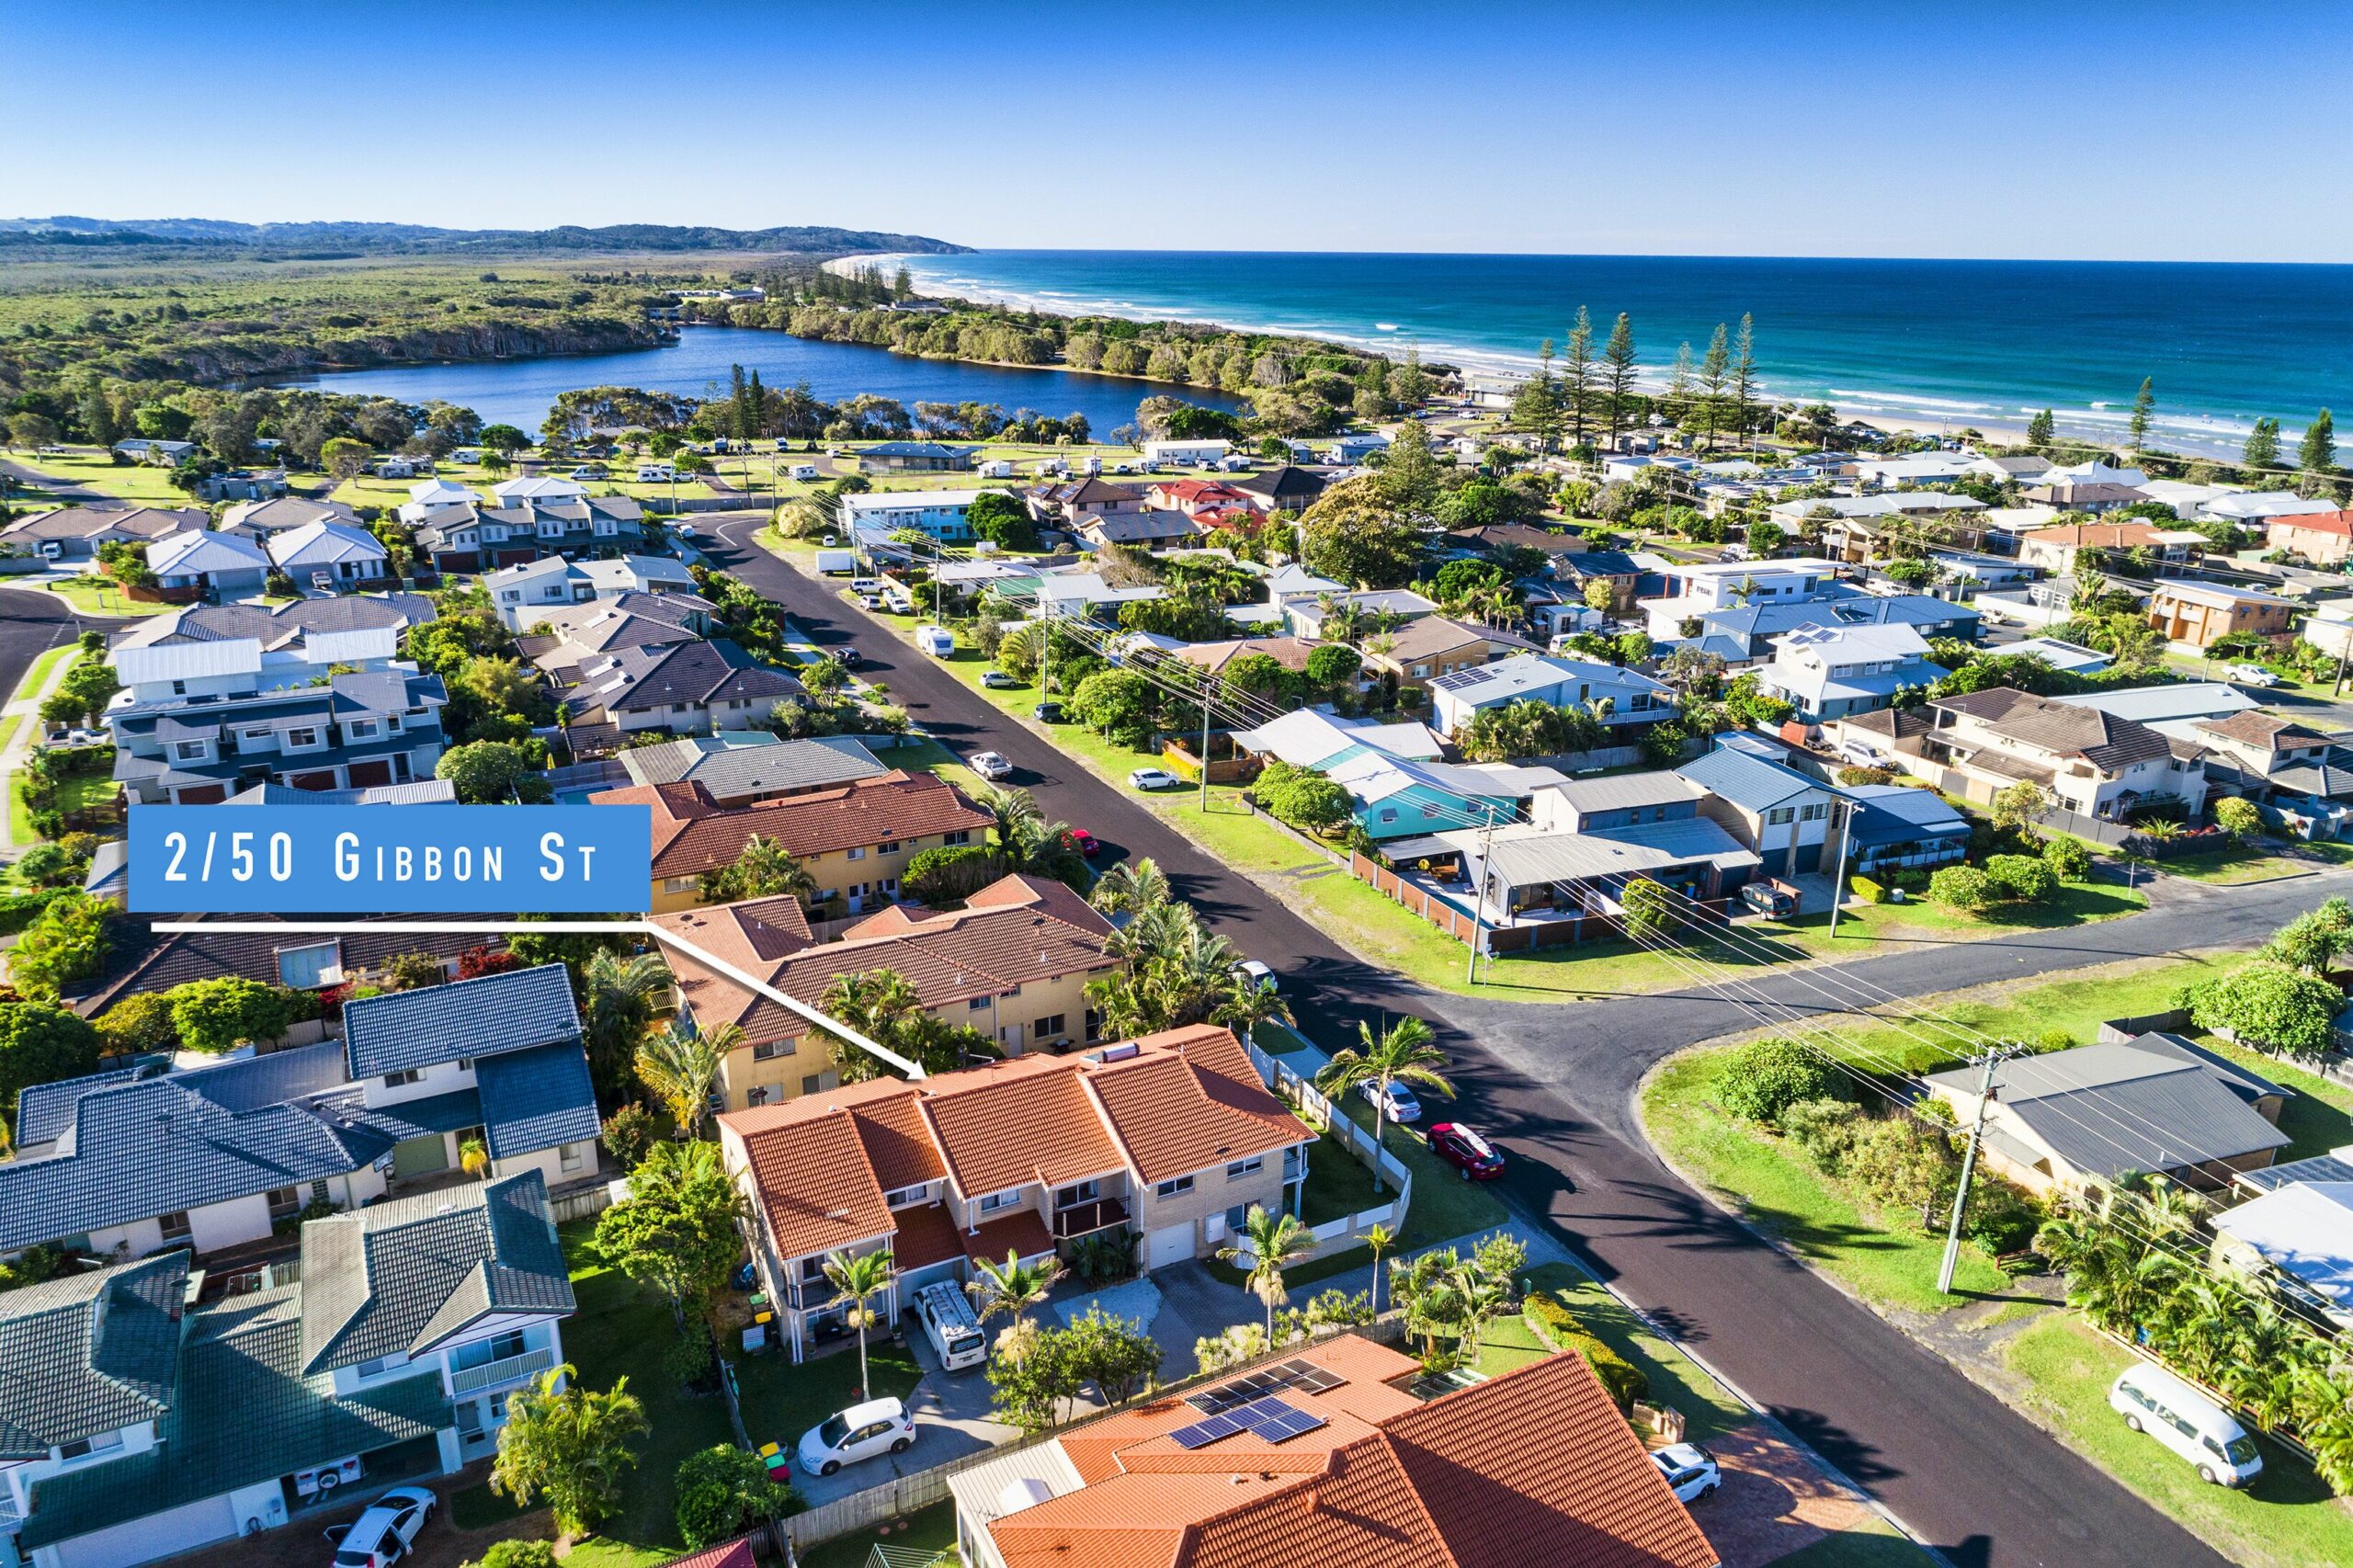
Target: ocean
x,y
1934,345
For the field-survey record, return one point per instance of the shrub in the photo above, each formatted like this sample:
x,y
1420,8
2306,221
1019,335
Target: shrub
x,y
141,1021
2022,878
1761,1080
518,1555
1911,878
1963,888
628,1135
1901,1164
2067,857
2237,815
2267,1003
1854,776
1867,889
723,1492
1825,1129
1624,1381
18,910
1999,1218
952,873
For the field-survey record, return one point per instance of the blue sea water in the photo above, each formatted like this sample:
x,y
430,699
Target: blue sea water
x,y
1932,343
520,392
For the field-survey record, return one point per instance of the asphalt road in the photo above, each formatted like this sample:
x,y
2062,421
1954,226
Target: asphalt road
x,y
1556,1084
31,621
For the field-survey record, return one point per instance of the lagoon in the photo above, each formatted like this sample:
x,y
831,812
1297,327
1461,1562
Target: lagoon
x,y
520,392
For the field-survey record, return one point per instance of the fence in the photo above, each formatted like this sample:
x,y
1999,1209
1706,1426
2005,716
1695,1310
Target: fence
x,y
1420,901
1339,1127
581,1201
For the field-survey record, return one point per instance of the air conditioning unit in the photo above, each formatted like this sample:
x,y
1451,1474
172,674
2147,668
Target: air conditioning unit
x,y
326,1477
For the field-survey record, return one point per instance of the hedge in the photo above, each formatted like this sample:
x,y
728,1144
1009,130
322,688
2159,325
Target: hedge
x,y
1867,889
1624,1381
18,910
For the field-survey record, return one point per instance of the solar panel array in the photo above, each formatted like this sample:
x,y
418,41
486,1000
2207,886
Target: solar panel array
x,y
1276,1420
1292,1374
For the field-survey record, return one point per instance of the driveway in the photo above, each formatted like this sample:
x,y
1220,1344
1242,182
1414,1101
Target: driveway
x,y
1556,1084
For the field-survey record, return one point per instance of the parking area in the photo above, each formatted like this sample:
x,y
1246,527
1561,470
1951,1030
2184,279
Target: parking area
x,y
1773,1500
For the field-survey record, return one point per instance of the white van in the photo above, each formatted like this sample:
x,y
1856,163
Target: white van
x,y
2153,1400
945,1313
656,473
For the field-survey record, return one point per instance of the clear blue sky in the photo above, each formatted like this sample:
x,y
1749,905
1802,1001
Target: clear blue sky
x,y
2149,130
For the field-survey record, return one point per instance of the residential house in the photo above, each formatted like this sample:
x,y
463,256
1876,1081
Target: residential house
x,y
1488,539
1070,503
941,515
685,685
1634,700
213,563
340,556
1013,963
2303,775
1192,453
2054,549
614,576
2167,702
241,484
1858,527
262,521
1319,739
188,670
1623,573
2094,471
916,456
1830,672
1758,628
1170,1140
1927,468
2024,469
282,633
1385,607
1285,489
1292,584
360,729
2294,1231
2199,614
1899,824
1084,596
2094,763
741,767
537,489
1766,805
2157,1103
1525,872
159,1427
465,537
1433,647
2320,538
2257,509
2095,498
1203,499
1689,590
1288,651
1397,797
1339,1455
1349,450
855,840
1151,529
1615,801
158,454
74,533
577,632
430,499
524,593
2072,657
258,950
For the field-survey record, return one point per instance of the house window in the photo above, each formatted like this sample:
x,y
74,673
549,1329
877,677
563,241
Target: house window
x,y
769,1050
1780,816
403,1078
285,1202
993,1202
888,846
857,852
1250,1166
959,836
907,1194
1051,1025
812,1269
1815,812
318,1192
382,1364
1072,1196
83,1448
814,1083
481,1352
175,1224
568,1157
302,737
1183,1183
258,734
190,751
362,729
977,1003
180,689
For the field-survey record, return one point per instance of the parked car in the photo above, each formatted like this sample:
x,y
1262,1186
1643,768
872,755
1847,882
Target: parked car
x,y
866,584
2153,1400
1151,779
997,681
1250,972
1459,1146
845,657
862,1432
382,1536
1394,1100
869,601
2249,675
1086,843
992,766
1690,1470
1768,901
1048,713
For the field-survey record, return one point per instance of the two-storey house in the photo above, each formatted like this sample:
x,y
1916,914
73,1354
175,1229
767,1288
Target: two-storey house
x,y
1767,806
524,593
737,767
684,685
944,515
74,533
1434,647
1168,1140
1013,963
1624,700
2095,763
366,728
855,840
331,554
1689,590
1830,672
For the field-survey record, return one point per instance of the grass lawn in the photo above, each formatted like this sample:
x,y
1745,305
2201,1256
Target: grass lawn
x,y
93,594
2286,1519
142,484
1676,1380
1505,1344
930,1529
39,672
2234,864
1776,1189
782,1401
2319,1117
1876,1548
10,724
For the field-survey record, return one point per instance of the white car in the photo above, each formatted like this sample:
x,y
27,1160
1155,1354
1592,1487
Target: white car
x,y
382,1536
1395,1100
2249,675
1250,972
997,680
862,1432
1151,778
992,766
1690,1470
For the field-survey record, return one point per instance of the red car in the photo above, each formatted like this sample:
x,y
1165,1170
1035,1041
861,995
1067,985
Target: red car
x,y
1086,843
1477,1159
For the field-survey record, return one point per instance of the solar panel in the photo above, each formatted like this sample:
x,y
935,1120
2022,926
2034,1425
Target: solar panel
x,y
1255,1385
1194,1436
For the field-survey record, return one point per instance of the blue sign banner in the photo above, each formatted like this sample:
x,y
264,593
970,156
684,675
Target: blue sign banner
x,y
345,859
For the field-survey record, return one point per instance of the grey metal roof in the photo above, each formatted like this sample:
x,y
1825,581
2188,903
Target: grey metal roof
x,y
466,1019
404,1276
1530,857
535,1099
2333,1166
88,1353
414,792
1749,782
1623,792
731,771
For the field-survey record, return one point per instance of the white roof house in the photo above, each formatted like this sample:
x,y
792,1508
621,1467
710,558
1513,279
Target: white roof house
x,y
2060,655
1296,582
184,557
2260,505
2305,1230
1835,672
2096,472
2178,700
1311,737
1635,697
637,574
1926,468
541,488
327,546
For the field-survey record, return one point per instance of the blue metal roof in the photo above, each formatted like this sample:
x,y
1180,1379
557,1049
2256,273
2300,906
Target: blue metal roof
x,y
535,1099
468,1018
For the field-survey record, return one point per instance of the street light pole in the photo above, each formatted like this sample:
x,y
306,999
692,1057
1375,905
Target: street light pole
x,y
1846,810
1986,1064
1479,895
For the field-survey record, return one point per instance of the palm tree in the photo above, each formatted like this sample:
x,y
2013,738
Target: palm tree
x,y
1247,1004
1131,887
1380,1238
1271,1243
680,1066
620,993
856,1281
1404,1053
1010,813
876,1004
569,1442
1009,1290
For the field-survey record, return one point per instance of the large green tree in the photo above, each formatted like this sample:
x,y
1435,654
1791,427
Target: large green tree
x,y
1618,376
2317,452
227,1011
678,1228
1354,536
40,1044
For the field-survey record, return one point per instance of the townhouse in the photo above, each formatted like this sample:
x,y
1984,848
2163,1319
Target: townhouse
x,y
329,554
1633,699
465,536
688,684
1340,1453
2303,775
157,1427
1014,963
855,840
739,768
208,563
366,728
262,521
2199,614
2319,538
142,1158
1167,1142
74,533
524,593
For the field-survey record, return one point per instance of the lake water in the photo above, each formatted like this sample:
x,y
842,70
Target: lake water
x,y
520,392
1928,342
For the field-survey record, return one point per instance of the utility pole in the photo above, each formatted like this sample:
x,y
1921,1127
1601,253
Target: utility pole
x,y
1993,1057
1479,895
1846,810
1208,683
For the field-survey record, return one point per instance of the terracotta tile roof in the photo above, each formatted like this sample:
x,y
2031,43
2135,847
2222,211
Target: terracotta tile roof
x,y
2338,523
1021,1233
2097,536
928,1234
1535,1467
1017,931
1193,1104
818,1187
1288,651
693,832
1028,1119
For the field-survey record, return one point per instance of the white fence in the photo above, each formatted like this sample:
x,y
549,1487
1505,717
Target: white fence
x,y
1341,1129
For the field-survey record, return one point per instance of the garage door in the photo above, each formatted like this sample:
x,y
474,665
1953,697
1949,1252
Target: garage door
x,y
365,775
157,1534
204,795
420,1157
312,780
1171,1244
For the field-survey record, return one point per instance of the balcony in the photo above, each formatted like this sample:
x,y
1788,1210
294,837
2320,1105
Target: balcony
x,y
491,1374
1080,1219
